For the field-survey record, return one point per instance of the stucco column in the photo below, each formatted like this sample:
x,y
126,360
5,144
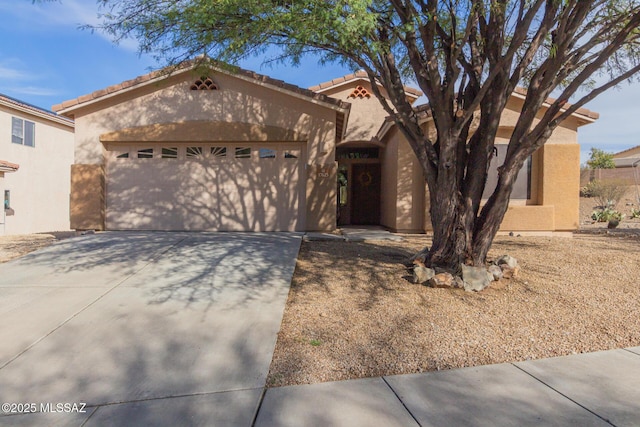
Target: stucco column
x,y
561,184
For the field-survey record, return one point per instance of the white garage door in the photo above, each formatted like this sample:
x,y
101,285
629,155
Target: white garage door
x,y
196,186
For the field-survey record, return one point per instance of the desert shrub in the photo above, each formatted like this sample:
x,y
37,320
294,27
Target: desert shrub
x,y
586,191
635,213
606,193
607,215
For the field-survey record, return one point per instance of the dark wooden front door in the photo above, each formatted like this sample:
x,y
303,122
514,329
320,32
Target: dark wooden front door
x,y
365,190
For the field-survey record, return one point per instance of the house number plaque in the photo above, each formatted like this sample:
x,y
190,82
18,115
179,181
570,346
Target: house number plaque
x,y
322,171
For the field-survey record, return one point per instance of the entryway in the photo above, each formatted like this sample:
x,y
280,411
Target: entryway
x,y
359,182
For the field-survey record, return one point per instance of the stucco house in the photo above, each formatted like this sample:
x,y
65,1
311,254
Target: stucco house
x,y
627,158
236,150
36,153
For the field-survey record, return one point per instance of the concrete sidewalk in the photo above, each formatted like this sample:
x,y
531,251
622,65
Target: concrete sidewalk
x,y
592,389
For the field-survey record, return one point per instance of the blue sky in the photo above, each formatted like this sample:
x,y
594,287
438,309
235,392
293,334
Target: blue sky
x,y
45,59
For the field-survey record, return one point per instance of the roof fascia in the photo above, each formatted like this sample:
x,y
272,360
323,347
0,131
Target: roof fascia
x,y
40,114
562,110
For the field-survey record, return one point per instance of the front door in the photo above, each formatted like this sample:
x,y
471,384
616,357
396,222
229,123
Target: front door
x,y
365,190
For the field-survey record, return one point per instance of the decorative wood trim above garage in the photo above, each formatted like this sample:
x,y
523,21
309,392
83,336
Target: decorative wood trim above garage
x,y
204,131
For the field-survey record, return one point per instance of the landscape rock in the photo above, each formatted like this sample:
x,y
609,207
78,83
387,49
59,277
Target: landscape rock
x,y
442,280
495,271
458,282
510,261
509,273
422,274
475,278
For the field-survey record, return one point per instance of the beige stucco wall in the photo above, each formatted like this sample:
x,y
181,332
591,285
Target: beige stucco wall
x,y
366,115
403,186
561,183
237,100
40,187
87,197
389,187
555,176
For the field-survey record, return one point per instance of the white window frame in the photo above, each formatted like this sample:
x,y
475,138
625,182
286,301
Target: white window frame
x,y
25,133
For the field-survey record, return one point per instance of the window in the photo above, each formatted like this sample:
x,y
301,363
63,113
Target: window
x,y
145,153
267,153
243,153
292,154
122,156
23,132
7,199
219,151
522,186
193,152
170,153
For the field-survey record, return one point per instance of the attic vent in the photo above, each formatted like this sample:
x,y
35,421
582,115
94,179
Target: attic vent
x,y
204,83
360,92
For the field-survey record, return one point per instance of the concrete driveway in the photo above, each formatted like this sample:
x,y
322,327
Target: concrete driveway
x,y
143,328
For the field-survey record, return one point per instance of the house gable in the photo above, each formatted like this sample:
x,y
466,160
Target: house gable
x,y
366,113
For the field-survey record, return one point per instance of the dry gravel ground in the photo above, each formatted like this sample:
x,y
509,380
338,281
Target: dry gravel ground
x,y
15,246
353,312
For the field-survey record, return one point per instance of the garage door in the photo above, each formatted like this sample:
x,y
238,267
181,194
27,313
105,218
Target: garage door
x,y
230,187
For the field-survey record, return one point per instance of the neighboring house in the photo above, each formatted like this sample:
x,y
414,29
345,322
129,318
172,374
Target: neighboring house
x,y
627,158
626,171
241,151
36,152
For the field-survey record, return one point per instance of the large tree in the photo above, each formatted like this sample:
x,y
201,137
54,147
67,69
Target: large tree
x,y
467,56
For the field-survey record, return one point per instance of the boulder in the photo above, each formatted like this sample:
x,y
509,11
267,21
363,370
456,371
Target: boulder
x,y
422,274
495,271
442,280
509,273
510,261
475,278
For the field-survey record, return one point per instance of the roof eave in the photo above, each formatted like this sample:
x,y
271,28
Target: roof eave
x,y
40,114
68,111
582,114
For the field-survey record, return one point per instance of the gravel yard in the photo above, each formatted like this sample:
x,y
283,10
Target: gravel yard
x,y
353,311
15,246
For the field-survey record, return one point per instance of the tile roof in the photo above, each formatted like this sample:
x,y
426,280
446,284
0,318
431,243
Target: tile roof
x,y
424,110
25,106
188,65
621,153
7,166
582,111
357,76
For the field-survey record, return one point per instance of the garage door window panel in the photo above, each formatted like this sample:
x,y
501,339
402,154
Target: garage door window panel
x,y
219,152
170,152
243,152
267,153
292,154
145,153
195,152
